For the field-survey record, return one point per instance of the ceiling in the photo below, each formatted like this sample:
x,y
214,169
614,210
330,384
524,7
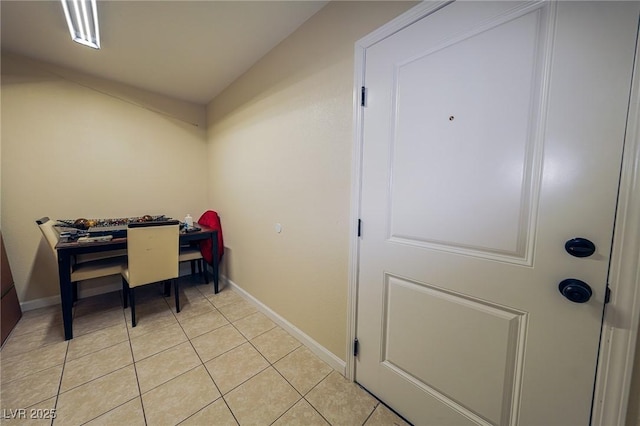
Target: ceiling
x,y
189,50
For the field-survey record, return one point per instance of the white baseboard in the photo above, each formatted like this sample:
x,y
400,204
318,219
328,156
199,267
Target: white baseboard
x,y
39,303
315,347
83,293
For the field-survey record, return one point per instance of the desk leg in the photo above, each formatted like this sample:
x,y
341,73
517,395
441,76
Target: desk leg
x,y
66,293
215,261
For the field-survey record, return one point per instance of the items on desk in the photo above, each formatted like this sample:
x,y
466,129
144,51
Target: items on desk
x,y
71,230
85,224
188,224
71,234
117,231
191,228
90,230
99,238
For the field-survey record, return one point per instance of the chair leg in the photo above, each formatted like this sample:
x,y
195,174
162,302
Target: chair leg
x,y
193,267
205,271
132,295
74,291
216,275
176,290
167,288
125,293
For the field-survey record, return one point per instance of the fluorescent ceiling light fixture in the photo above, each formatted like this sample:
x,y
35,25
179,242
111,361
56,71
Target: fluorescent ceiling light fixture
x,y
82,18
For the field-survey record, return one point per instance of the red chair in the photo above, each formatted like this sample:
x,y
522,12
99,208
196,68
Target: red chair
x,y
210,219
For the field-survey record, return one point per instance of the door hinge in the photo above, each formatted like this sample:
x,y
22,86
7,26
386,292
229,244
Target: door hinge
x,y
363,96
356,347
607,295
359,227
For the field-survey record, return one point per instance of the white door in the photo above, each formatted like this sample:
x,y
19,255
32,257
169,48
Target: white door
x,y
492,135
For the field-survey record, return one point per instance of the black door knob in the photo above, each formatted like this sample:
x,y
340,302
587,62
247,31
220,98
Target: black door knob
x,y
580,247
575,290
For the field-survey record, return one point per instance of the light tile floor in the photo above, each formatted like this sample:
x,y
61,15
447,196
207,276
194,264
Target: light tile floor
x,y
218,362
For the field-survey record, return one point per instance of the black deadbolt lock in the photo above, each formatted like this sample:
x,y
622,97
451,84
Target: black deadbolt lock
x,y
575,290
580,247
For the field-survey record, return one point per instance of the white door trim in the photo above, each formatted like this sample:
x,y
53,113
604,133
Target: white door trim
x,y
622,315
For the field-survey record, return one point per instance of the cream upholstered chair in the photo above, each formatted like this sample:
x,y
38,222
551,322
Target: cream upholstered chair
x,y
108,264
152,250
89,257
194,255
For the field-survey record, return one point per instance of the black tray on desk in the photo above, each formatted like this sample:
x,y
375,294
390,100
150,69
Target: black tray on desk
x,y
117,231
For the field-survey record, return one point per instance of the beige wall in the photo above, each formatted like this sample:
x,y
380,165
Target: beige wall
x,y
280,141
73,146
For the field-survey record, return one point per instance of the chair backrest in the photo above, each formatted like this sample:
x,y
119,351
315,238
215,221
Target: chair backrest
x,y
152,250
50,234
211,219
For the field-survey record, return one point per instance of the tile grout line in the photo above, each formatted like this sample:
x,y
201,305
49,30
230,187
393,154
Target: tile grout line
x,y
133,359
202,363
64,362
302,397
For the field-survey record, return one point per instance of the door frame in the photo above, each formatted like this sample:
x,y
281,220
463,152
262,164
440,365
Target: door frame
x,y
622,316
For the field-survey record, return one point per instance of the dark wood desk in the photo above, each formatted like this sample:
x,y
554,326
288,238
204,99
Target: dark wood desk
x,y
68,249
